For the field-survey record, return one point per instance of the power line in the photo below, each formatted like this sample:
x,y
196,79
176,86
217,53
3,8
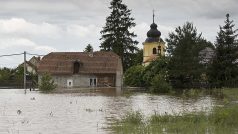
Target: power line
x,y
8,55
11,55
35,54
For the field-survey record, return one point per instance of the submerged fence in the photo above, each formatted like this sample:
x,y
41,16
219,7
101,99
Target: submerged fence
x,y
11,84
16,84
204,85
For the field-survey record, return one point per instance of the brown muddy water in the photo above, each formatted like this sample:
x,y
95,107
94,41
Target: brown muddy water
x,y
88,112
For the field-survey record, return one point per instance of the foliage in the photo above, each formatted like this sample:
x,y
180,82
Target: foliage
x,y
88,48
137,58
133,118
184,46
134,76
46,83
15,77
19,73
219,121
160,85
224,68
156,67
154,75
5,73
230,93
116,36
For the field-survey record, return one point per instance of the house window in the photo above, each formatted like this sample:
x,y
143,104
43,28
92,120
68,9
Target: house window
x,y
76,67
69,83
154,50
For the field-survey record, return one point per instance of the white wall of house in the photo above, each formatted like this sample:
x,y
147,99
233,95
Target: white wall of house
x,y
30,69
74,81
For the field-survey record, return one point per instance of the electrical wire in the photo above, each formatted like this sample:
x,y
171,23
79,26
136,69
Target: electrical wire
x,y
7,55
35,54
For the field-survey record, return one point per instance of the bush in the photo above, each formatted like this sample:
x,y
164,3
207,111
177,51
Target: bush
x,y
47,84
133,76
159,84
157,66
133,118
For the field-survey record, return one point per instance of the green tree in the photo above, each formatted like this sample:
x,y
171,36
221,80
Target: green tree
x,y
156,67
5,74
116,36
47,84
184,46
134,76
224,68
19,74
137,58
88,48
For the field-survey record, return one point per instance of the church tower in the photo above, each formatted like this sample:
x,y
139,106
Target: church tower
x,y
153,46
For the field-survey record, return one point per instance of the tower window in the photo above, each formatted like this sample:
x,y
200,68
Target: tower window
x,y
159,49
154,50
76,67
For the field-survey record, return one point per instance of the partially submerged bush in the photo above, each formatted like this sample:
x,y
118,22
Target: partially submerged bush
x,y
159,85
47,84
133,118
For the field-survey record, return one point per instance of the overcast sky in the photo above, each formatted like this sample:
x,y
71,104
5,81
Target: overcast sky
x,y
43,26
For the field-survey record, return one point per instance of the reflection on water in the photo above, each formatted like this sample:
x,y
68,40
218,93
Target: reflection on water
x,y
88,112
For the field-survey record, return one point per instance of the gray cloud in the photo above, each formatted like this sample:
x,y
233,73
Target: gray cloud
x,y
41,26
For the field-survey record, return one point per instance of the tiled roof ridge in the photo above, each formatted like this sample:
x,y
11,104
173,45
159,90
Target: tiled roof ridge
x,y
59,62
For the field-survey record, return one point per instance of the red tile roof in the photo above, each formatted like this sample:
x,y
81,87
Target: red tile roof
x,y
63,63
151,58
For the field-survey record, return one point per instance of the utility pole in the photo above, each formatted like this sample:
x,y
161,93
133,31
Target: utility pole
x,y
25,71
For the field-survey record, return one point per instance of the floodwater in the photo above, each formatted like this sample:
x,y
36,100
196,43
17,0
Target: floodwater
x,y
88,112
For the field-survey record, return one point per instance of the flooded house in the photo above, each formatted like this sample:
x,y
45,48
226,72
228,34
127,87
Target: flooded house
x,y
206,55
83,69
31,65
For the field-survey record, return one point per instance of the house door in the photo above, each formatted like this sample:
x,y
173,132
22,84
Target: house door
x,y
93,82
70,83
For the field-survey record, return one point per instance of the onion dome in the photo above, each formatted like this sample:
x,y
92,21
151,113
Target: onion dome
x,y
153,35
153,32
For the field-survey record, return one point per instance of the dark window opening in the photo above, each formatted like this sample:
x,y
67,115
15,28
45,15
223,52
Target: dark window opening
x,y
159,49
76,67
154,50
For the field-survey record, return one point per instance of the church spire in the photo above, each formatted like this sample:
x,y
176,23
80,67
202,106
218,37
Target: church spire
x,y
153,35
153,16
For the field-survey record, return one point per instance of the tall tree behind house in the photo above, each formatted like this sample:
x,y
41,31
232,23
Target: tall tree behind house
x,y
183,49
88,48
116,36
224,67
